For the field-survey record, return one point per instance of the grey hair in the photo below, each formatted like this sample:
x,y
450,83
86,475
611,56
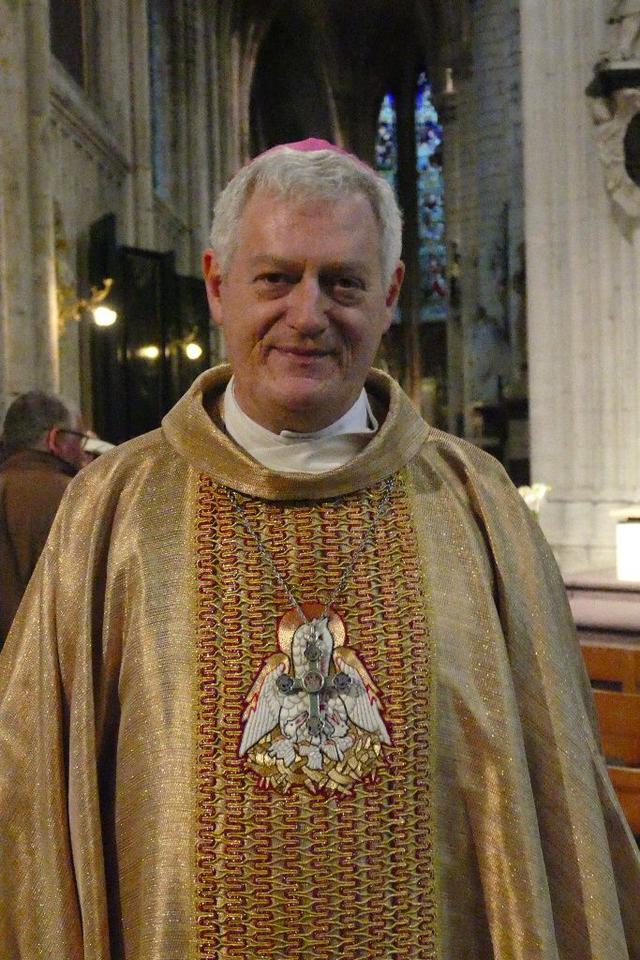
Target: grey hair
x,y
307,175
31,416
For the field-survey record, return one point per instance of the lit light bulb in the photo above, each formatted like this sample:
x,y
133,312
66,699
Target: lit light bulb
x,y
193,351
150,352
104,316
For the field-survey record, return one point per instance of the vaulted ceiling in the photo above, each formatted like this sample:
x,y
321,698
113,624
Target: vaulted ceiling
x,y
322,66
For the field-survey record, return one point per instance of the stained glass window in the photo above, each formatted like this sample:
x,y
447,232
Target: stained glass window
x,y
387,141
432,251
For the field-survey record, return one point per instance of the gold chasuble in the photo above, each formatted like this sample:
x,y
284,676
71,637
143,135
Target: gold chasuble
x,y
405,768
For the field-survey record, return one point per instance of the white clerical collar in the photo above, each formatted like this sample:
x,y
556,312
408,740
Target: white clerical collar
x,y
289,452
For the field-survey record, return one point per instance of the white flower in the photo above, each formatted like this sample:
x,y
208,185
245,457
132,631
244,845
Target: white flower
x,y
534,495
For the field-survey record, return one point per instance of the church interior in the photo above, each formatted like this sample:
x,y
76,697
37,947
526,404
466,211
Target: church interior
x,y
511,133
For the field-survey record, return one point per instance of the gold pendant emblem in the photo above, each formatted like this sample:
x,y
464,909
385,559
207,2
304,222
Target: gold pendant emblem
x,y
313,716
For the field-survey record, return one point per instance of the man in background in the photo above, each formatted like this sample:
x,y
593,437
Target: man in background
x,y
42,450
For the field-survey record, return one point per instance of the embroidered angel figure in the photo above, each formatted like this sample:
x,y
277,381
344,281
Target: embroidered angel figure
x,y
311,700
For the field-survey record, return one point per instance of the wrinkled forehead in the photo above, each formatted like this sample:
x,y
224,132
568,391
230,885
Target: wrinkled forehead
x,y
308,195
311,204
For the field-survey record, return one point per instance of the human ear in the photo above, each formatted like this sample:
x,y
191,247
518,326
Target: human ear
x,y
213,282
51,440
393,292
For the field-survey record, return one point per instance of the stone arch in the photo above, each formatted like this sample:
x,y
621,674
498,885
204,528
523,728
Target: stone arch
x,y
291,98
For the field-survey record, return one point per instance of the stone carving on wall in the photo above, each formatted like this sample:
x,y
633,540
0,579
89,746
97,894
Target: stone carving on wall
x,y
69,305
66,281
624,32
614,94
73,117
617,120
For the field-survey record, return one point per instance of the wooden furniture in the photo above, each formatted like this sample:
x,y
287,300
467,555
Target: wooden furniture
x,y
611,665
619,719
626,783
607,615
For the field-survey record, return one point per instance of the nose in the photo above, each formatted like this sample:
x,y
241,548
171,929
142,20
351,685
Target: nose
x,y
307,307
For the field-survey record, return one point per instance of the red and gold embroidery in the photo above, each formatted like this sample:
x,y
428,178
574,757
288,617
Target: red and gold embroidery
x,y
313,715
294,866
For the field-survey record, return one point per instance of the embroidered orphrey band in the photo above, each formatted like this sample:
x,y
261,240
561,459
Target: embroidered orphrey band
x,y
290,870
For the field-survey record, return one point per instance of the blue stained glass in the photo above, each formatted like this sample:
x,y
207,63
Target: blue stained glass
x,y
432,251
387,141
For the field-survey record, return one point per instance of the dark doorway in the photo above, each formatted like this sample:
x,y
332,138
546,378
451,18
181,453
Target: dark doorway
x,y
140,366
290,98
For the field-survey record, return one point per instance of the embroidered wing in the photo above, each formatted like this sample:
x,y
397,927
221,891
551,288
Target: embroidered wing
x,y
361,699
263,703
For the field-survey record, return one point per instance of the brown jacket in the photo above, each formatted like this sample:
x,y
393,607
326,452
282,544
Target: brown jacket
x,y
32,483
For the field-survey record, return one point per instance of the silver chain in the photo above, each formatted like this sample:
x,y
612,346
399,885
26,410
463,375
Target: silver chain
x,y
383,506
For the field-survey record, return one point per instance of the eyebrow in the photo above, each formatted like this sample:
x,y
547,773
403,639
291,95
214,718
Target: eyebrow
x,y
286,264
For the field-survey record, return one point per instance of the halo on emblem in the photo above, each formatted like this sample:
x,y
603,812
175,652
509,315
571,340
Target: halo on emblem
x,y
291,620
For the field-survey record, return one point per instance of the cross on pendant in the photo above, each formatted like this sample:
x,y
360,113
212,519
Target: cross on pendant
x,y
317,685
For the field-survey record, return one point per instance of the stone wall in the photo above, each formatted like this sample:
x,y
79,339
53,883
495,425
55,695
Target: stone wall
x,y
89,177
584,298
71,155
494,348
484,211
27,328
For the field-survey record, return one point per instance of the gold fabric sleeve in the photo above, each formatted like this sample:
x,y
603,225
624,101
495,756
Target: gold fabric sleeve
x,y
96,724
535,858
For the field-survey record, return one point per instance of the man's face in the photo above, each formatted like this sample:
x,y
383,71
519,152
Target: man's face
x,y
303,306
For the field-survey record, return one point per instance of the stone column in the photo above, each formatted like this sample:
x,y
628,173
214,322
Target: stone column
x,y
43,298
490,343
5,357
408,199
141,143
466,224
29,332
214,111
583,259
113,67
200,166
446,104
228,71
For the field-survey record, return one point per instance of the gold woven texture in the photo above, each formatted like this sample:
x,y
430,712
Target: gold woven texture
x,y
301,869
132,828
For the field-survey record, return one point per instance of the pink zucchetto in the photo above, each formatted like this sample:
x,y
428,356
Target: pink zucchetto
x,y
311,145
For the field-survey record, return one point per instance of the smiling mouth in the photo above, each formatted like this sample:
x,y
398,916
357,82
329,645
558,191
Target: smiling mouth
x,y
303,354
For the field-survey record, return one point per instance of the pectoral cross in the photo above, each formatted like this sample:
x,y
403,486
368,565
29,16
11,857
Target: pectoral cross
x,y
318,687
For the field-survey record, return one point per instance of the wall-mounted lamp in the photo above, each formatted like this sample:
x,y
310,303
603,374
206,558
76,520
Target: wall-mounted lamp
x,y
104,316
72,308
193,351
149,352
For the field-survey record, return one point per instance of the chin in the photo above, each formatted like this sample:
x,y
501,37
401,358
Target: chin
x,y
307,412
306,395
